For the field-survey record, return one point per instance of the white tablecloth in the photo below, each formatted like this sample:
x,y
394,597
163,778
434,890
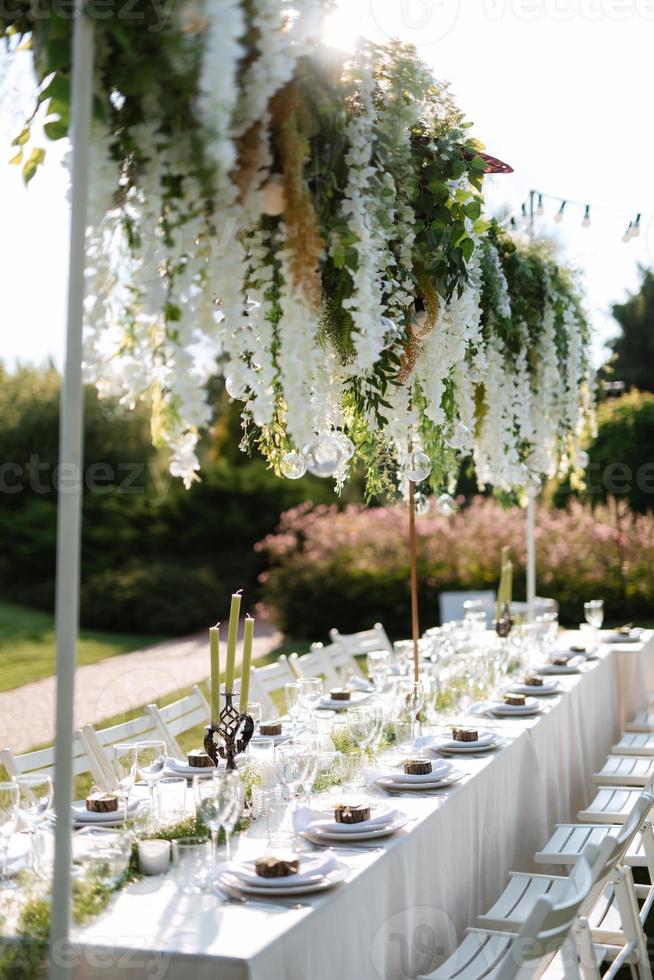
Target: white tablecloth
x,y
405,905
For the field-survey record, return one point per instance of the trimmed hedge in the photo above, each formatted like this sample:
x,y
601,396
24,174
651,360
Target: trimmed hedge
x,y
350,568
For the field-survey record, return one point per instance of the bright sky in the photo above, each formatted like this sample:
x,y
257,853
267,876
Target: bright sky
x,y
560,89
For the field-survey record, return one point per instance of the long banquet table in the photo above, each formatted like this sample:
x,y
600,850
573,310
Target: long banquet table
x,y
408,900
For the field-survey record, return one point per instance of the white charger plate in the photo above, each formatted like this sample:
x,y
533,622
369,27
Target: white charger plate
x,y
356,697
329,880
636,636
387,782
81,815
547,669
544,691
500,710
319,836
464,748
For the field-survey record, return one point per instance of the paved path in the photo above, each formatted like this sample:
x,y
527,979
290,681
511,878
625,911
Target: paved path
x,y
112,686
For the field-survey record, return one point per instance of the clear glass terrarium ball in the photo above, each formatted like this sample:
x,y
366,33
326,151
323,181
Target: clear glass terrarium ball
x,y
346,446
324,457
293,465
422,505
235,388
416,466
445,505
457,435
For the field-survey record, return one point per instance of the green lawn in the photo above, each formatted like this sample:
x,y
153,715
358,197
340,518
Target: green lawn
x,y
27,645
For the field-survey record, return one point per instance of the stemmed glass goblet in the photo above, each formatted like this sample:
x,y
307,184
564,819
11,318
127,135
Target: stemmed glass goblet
x,y
311,691
378,664
34,802
229,796
124,759
8,825
594,613
293,703
150,763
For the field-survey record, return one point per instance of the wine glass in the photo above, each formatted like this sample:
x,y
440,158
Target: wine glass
x,y
377,720
360,723
34,802
292,701
412,694
311,690
311,765
150,763
253,709
124,759
8,824
290,765
229,796
210,813
378,664
594,613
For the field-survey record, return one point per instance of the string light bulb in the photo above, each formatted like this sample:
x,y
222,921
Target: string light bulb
x,y
539,208
524,215
558,217
627,235
585,221
635,228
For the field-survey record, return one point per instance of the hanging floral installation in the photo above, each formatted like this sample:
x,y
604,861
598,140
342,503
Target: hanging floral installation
x,y
309,225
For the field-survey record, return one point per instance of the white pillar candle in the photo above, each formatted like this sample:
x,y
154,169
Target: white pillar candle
x,y
154,856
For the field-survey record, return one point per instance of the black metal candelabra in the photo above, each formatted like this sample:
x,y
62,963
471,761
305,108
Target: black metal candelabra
x,y
504,623
230,736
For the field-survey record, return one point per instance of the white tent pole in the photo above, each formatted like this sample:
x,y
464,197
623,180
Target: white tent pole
x,y
70,494
531,554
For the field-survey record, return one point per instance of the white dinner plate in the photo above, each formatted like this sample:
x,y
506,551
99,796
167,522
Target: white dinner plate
x,y
450,747
175,767
333,877
320,835
356,697
312,868
387,782
569,668
635,636
81,815
532,707
545,690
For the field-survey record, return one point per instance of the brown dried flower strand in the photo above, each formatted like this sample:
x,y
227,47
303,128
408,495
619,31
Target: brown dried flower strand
x,y
290,123
416,333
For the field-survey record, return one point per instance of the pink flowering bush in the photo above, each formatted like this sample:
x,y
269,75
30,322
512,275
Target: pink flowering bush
x,y
349,568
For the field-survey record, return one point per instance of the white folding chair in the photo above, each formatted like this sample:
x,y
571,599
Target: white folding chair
x,y
43,761
612,804
357,644
625,770
312,664
451,607
615,929
333,662
635,743
99,744
643,722
266,681
179,717
488,955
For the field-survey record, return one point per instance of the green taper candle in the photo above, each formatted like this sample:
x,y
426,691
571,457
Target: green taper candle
x,y
232,633
214,641
248,635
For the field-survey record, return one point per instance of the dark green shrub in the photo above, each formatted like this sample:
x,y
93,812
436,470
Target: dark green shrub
x,y
153,597
622,455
